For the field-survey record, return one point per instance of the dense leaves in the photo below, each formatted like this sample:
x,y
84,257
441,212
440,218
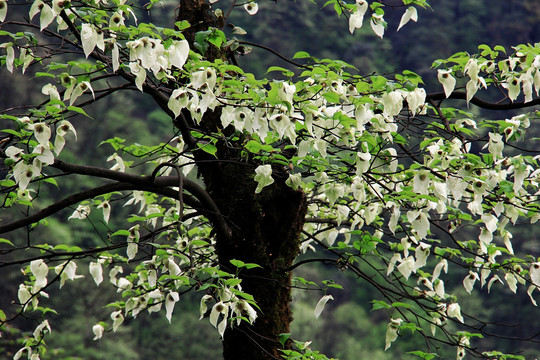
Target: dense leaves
x,y
371,170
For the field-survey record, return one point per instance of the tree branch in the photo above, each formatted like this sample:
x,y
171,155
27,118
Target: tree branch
x,y
160,186
462,95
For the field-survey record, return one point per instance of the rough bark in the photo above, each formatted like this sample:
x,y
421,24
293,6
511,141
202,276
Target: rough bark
x,y
265,227
265,231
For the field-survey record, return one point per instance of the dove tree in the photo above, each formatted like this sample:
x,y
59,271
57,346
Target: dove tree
x,y
373,174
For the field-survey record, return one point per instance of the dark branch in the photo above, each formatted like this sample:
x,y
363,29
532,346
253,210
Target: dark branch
x,y
462,95
161,185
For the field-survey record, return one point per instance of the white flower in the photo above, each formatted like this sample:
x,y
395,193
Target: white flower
x,y
534,272
117,19
512,282
392,332
3,9
19,353
203,306
377,24
96,271
416,99
67,270
170,300
91,38
173,267
454,311
39,329
79,90
469,281
421,253
421,182
439,288
64,127
23,294
10,56
139,72
137,197
280,123
441,266
393,103
294,181
495,145
40,270
219,309
492,281
419,222
410,14
98,330
178,53
447,80
26,56
251,8
42,132
106,208
47,13
117,319
244,309
81,212
406,267
263,177
24,173
14,153
120,165
206,76
179,100
45,154
357,17
513,88
320,305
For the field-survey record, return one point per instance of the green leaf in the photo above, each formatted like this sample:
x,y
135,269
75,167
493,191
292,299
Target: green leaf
x,y
331,97
233,282
6,241
423,355
500,48
44,74
301,55
182,25
120,233
252,265
283,338
401,304
238,263
78,110
51,181
198,243
378,304
253,146
284,71
209,148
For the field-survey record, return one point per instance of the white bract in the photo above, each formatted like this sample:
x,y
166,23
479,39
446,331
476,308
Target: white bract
x,y
3,9
251,7
321,304
447,80
263,177
219,310
410,14
392,332
357,17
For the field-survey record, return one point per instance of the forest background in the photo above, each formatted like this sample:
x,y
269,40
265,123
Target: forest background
x,y
347,329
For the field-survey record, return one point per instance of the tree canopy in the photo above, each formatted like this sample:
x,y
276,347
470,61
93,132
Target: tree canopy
x,y
375,175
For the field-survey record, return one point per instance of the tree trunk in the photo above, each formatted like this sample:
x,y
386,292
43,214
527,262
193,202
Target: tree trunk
x,y
265,227
265,231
